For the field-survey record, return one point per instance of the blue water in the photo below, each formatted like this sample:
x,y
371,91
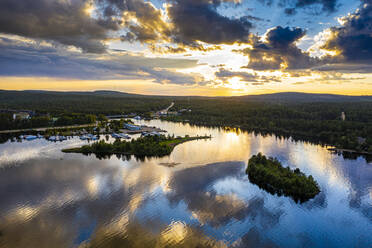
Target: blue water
x,y
52,199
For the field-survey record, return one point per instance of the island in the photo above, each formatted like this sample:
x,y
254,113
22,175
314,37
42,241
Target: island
x,y
146,146
270,175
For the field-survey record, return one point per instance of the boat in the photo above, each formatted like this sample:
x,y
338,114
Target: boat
x,y
116,136
120,136
91,137
125,136
30,137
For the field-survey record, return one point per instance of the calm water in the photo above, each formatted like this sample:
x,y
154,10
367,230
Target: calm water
x,y
51,199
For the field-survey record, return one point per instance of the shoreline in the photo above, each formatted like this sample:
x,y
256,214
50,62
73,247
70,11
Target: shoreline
x,y
341,150
171,144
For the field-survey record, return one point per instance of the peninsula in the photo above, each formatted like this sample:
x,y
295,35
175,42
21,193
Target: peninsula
x,y
147,146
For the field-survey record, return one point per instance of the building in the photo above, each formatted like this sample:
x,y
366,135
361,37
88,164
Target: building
x,y
21,116
132,127
343,116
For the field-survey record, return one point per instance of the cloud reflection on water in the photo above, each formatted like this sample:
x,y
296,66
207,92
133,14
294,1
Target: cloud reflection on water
x,y
66,200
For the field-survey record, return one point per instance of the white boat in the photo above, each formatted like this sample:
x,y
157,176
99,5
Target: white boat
x,y
53,138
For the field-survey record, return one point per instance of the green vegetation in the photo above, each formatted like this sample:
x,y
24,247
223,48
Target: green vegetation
x,y
151,146
100,102
270,175
116,125
318,122
309,117
66,119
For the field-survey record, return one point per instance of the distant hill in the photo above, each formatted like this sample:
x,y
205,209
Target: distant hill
x,y
285,97
304,97
86,93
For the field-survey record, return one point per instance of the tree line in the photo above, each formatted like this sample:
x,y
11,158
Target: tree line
x,y
316,122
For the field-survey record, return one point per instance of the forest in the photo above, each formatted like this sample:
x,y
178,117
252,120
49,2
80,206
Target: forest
x,y
270,175
309,117
318,122
98,102
7,122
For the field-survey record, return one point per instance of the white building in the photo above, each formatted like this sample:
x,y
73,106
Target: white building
x,y
343,116
21,116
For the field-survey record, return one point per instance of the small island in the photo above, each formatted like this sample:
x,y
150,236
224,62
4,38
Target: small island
x,y
270,175
147,146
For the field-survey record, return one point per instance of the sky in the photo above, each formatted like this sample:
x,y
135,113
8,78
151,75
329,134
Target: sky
x,y
187,47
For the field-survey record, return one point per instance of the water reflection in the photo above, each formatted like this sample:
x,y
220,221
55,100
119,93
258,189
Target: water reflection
x,y
52,199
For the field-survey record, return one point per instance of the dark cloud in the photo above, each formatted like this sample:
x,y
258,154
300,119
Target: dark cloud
x,y
23,59
353,40
319,6
199,21
254,18
245,76
327,5
66,22
190,22
149,25
278,51
351,43
280,37
290,11
345,67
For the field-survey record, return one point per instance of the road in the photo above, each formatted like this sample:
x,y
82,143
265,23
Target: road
x,y
167,109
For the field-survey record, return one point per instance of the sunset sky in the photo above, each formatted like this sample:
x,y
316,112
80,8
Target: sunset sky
x,y
187,47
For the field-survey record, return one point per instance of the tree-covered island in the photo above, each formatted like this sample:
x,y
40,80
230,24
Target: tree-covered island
x,y
270,175
150,146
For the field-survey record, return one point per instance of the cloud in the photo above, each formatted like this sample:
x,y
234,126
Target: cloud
x,y
290,11
353,41
319,6
348,47
65,22
256,79
142,20
327,5
278,51
188,24
19,58
199,21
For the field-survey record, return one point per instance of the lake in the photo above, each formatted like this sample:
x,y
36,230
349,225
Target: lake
x,y
199,196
